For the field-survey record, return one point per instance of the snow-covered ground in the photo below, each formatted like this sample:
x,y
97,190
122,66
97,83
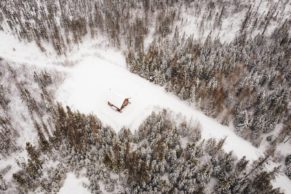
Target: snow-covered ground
x,y
192,24
74,185
13,50
98,77
97,74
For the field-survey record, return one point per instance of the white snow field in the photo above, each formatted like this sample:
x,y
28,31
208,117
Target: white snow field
x,y
96,74
100,75
96,79
74,185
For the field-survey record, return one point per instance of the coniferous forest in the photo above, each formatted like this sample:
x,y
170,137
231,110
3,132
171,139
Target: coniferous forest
x,y
229,59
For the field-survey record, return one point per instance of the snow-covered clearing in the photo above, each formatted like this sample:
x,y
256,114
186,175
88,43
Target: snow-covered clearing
x,y
98,74
95,79
74,185
19,52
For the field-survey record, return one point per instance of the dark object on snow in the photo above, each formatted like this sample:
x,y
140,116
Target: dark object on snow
x,y
288,160
113,106
124,104
269,138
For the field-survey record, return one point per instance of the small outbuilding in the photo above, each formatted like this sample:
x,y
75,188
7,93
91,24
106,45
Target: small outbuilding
x,y
118,103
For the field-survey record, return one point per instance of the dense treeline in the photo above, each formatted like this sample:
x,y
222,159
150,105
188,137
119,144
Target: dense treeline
x,y
25,101
160,157
65,23
246,81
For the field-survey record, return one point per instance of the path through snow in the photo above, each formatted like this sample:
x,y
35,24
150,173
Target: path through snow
x,y
95,79
100,75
